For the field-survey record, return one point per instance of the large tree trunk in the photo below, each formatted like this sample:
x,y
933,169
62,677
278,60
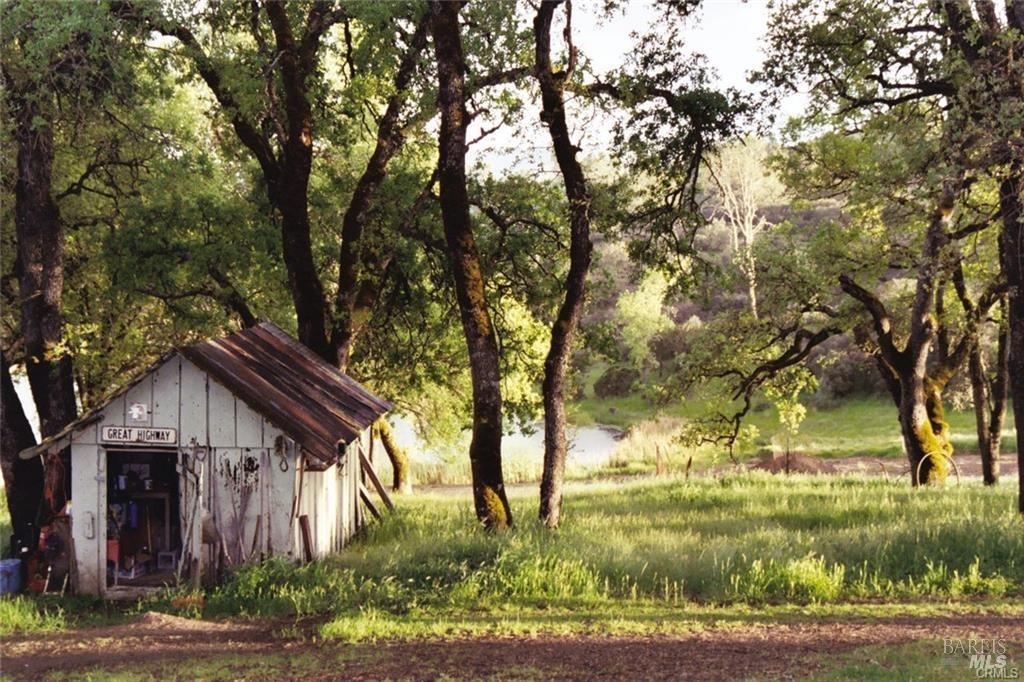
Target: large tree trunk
x,y
23,479
918,396
401,476
297,250
485,448
924,429
923,426
41,282
1013,269
41,286
564,329
288,181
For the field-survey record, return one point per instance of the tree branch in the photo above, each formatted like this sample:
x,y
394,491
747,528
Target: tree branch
x,y
879,316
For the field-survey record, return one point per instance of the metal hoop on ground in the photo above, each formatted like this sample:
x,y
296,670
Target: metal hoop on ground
x,y
956,469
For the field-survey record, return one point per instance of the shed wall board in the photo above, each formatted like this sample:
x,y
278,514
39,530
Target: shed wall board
x,y
87,435
280,485
192,410
113,414
88,521
167,395
221,413
238,498
248,427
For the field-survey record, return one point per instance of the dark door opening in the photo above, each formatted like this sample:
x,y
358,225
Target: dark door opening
x,y
143,518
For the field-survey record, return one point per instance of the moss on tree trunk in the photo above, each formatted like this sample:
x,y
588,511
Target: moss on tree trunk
x,y
489,498
401,481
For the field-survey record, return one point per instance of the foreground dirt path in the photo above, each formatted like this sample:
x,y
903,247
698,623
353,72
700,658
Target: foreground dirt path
x,y
164,646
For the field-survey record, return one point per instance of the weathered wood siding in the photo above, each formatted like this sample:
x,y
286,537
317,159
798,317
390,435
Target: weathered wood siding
x,y
331,501
89,525
247,471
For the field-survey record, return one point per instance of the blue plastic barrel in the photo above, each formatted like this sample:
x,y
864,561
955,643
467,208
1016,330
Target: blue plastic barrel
x,y
10,576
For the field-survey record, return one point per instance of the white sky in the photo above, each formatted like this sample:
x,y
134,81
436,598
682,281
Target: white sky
x,y
729,33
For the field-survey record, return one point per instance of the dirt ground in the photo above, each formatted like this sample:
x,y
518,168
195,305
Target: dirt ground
x,y
969,465
784,651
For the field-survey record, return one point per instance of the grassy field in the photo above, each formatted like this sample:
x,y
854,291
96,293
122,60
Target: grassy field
x,y
865,426
746,540
862,427
634,557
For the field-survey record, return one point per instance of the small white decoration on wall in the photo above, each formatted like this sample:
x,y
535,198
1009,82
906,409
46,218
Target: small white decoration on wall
x,y
138,412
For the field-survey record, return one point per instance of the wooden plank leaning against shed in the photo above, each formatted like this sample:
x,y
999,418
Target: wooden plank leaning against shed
x,y
307,538
372,475
364,495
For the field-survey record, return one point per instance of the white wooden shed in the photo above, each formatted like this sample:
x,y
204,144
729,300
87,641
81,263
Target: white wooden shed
x,y
227,451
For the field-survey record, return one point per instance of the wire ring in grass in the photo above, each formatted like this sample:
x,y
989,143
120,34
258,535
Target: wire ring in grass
x,y
956,469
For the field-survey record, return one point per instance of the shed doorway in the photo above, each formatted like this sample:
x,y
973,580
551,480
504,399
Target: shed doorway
x,y
143,518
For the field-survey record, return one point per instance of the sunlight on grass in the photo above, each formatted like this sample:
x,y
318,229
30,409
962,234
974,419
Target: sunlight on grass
x,y
666,555
24,614
679,545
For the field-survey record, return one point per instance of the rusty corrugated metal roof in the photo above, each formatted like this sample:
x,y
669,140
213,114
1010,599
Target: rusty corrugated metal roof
x,y
310,400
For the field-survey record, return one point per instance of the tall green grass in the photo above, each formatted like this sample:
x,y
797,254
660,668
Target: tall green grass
x,y
650,548
24,614
751,539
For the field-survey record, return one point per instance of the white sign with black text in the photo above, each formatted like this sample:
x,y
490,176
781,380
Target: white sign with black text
x,y
138,434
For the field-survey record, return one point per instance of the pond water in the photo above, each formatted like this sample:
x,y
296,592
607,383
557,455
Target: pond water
x,y
590,446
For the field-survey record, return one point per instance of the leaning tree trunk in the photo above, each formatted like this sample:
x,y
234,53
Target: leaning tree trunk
x,y
489,495
389,142
918,396
925,430
23,479
922,423
564,329
401,477
1013,270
